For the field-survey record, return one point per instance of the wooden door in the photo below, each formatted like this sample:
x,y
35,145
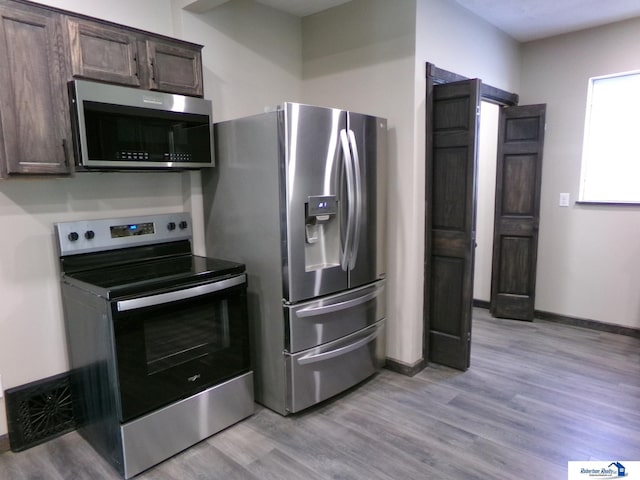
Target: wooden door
x,y
35,134
452,128
517,211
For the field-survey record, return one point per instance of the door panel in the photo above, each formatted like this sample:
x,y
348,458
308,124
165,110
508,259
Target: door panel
x,y
517,214
448,274
174,69
449,178
33,98
313,164
320,373
320,321
514,265
103,53
518,194
370,134
451,174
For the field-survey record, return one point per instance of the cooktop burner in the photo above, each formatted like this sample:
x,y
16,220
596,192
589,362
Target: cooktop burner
x,y
143,277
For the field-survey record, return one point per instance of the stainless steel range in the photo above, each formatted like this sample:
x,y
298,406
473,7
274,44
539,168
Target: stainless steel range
x,y
157,337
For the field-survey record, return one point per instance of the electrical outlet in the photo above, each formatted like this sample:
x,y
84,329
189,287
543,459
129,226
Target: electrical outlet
x,y
564,200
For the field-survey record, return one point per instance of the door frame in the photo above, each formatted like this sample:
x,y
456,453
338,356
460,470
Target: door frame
x,y
438,76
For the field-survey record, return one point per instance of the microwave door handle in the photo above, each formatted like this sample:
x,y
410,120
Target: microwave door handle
x,y
319,357
344,141
358,197
163,298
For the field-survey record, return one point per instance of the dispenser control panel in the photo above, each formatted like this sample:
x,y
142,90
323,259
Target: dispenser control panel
x,y
322,205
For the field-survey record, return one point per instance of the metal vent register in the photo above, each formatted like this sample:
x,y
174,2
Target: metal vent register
x,y
39,411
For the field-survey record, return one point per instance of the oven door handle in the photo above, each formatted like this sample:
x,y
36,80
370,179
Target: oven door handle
x,y
162,298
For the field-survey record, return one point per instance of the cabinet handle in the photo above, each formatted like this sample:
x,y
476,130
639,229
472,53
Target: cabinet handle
x,y
135,61
153,70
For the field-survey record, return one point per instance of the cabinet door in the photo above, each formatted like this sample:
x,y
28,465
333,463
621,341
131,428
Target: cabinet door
x,y
174,69
33,99
103,53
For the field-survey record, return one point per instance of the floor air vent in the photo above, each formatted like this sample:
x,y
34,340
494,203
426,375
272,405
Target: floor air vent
x,y
39,411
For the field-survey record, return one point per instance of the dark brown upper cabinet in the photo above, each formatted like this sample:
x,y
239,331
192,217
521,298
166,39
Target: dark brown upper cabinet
x,y
103,53
42,48
35,132
115,54
174,68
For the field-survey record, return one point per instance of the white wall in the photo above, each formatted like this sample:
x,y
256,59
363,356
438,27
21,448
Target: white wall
x,y
32,341
487,161
369,55
457,40
255,57
589,256
360,56
151,15
251,59
251,56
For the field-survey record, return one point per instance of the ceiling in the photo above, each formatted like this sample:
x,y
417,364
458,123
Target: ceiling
x,y
302,8
527,20
523,20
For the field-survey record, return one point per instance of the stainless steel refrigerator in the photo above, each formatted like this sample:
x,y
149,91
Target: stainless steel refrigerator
x,y
298,195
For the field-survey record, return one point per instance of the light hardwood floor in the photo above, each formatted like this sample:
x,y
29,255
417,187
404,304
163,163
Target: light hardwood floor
x,y
536,396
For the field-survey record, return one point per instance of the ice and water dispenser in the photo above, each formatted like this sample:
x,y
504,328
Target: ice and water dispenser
x,y
322,233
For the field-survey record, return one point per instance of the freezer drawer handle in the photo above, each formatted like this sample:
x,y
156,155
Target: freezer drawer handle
x,y
319,357
336,307
192,292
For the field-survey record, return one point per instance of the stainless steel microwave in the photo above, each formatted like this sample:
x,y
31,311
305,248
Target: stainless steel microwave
x,y
122,128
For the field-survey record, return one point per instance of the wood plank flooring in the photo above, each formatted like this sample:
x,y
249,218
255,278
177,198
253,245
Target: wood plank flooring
x,y
536,396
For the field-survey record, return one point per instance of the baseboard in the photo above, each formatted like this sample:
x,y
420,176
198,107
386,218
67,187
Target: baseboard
x,y
481,304
403,368
574,321
586,323
4,443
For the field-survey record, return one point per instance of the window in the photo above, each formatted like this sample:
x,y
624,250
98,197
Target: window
x,y
611,151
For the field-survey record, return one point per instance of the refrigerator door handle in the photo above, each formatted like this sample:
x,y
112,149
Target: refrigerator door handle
x,y
351,194
321,310
358,207
319,357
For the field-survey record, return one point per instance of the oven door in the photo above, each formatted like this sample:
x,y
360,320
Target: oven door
x,y
174,344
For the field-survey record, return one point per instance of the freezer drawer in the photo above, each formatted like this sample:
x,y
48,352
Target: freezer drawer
x,y
322,372
314,323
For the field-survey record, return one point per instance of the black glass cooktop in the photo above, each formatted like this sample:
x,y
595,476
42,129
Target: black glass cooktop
x,y
150,276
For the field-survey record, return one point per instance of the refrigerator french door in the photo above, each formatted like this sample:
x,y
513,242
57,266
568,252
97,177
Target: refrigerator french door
x,y
331,194
299,196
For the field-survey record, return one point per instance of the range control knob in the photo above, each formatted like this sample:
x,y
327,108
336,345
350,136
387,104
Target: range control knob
x,y
183,225
89,234
171,226
73,236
